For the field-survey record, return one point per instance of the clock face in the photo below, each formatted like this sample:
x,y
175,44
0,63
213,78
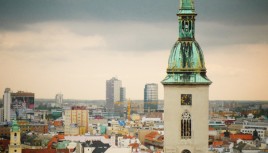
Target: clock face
x,y
186,99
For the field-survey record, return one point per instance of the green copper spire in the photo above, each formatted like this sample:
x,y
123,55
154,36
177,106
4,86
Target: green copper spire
x,y
15,127
186,5
186,63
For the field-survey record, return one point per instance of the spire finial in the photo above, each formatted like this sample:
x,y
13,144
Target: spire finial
x,y
186,5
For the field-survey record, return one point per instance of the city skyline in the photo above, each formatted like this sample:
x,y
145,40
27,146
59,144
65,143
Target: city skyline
x,y
74,47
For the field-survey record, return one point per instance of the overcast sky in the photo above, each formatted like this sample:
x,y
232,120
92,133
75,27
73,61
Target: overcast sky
x,y
73,47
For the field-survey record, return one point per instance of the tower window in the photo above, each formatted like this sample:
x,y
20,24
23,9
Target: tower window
x,y
186,151
15,134
186,126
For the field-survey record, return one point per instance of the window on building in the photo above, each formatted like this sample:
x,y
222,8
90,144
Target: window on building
x,y
186,151
186,125
15,134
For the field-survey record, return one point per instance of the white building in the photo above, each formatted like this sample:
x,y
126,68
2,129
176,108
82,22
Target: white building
x,y
125,142
7,103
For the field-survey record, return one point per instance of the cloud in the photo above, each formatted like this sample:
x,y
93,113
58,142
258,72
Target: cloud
x,y
47,38
215,34
14,14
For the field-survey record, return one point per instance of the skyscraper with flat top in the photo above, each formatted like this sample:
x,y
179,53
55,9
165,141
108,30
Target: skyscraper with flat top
x,y
186,89
7,104
112,93
150,97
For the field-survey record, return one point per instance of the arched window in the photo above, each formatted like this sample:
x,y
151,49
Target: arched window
x,y
186,151
186,125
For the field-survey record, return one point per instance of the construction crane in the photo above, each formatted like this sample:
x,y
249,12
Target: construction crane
x,y
128,110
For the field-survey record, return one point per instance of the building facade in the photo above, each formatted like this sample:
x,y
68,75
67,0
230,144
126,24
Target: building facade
x,y
76,121
150,97
2,115
186,90
7,104
113,93
19,105
122,94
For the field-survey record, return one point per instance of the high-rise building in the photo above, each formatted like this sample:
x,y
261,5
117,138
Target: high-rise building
x,y
59,99
76,120
150,97
7,104
122,94
186,90
112,93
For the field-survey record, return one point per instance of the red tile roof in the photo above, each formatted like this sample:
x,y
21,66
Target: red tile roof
x,y
45,150
217,144
241,136
154,136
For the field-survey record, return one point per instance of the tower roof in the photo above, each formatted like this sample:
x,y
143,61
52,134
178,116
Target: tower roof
x,y
15,127
186,64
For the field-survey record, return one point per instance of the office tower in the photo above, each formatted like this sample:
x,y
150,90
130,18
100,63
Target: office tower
x,y
150,97
122,94
186,90
22,105
76,120
59,100
7,104
112,93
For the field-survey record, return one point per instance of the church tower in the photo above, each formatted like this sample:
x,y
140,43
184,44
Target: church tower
x,y
15,144
186,90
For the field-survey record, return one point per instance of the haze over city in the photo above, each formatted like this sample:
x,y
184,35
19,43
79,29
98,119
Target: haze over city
x,y
73,47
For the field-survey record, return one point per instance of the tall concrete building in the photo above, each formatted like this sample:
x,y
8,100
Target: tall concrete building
x,y
7,104
113,93
59,100
150,97
186,90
